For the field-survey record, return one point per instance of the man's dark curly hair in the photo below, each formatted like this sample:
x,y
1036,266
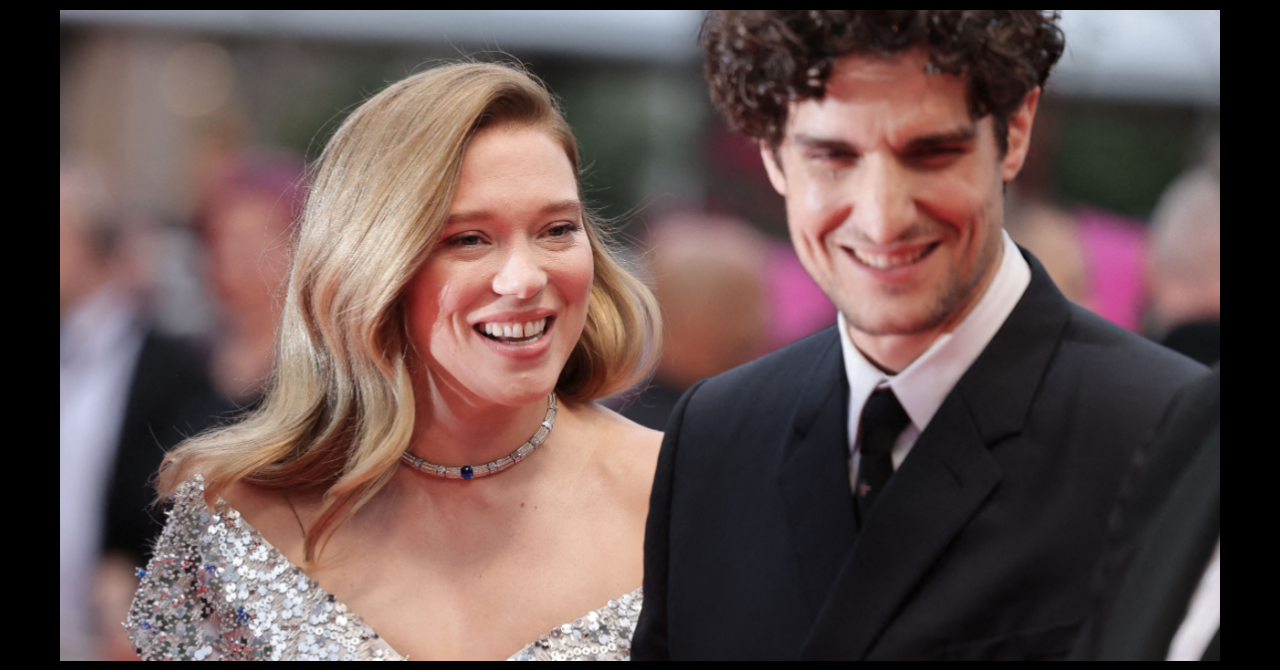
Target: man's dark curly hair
x,y
759,61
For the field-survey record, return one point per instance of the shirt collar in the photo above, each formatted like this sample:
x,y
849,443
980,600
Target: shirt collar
x,y
924,384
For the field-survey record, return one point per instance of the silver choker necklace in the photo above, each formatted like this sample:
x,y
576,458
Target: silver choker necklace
x,y
493,467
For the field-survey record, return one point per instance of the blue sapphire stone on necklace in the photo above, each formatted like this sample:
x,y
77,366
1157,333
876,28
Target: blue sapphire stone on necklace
x,y
468,472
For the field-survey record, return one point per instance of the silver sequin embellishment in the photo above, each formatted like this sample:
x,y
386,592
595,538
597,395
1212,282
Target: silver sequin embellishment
x,y
216,589
602,635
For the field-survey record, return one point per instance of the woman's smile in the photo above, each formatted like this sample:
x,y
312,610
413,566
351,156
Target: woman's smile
x,y
517,333
521,340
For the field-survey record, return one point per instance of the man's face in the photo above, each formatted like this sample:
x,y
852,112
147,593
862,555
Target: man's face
x,y
894,193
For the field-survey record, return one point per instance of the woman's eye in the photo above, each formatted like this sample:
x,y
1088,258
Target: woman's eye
x,y
465,241
563,230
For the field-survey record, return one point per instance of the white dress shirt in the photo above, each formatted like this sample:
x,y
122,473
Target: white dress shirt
x,y
1204,614
99,343
924,384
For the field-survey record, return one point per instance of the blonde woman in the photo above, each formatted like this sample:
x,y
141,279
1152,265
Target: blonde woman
x,y
429,476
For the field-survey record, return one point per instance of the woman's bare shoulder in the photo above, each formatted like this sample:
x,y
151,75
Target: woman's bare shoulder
x,y
629,451
276,514
616,429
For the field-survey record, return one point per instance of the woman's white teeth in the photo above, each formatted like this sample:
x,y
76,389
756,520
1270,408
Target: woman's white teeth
x,y
886,261
518,331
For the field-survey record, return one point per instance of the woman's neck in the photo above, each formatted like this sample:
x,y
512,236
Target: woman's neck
x,y
456,429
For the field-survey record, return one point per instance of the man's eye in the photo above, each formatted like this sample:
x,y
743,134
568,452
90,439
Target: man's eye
x,y
939,153
834,156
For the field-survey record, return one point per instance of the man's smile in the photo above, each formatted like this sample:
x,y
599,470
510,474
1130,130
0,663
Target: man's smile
x,y
887,260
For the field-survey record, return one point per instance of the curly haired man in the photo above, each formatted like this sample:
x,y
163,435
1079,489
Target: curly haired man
x,y
931,477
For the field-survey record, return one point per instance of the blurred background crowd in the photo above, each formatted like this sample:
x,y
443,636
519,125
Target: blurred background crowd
x,y
184,137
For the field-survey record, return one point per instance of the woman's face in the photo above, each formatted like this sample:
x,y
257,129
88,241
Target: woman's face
x,y
499,304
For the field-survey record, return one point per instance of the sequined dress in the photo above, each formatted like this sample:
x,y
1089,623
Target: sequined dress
x,y
216,589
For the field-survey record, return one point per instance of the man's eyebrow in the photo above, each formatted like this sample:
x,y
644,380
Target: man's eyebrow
x,y
811,142
565,207
960,135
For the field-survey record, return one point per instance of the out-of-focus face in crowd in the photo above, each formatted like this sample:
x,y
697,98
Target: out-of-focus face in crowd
x,y
1185,259
502,299
246,229
247,243
81,256
710,277
894,192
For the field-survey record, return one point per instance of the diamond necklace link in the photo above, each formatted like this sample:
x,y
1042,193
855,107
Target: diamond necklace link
x,y
492,467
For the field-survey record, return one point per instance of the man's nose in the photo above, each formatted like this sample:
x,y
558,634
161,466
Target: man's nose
x,y
521,274
883,207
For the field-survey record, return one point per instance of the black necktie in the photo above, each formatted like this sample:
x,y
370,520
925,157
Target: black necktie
x,y
882,422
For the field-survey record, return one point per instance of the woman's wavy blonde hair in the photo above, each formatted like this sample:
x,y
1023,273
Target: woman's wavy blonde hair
x,y
339,409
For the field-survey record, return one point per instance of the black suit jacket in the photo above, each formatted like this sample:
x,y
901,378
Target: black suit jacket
x,y
170,398
1163,532
982,544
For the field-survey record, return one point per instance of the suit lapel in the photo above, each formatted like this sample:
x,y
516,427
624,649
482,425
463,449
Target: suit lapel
x,y
929,499
1001,385
945,479
813,477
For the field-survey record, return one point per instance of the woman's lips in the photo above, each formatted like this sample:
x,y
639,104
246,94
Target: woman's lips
x,y
513,333
522,347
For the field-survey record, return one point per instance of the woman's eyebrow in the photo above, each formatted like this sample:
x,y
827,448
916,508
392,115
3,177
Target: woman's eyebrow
x,y
562,207
571,207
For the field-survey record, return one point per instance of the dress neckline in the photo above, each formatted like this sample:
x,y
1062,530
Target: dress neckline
x,y
224,509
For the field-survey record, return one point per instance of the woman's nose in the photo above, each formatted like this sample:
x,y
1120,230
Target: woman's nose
x,y
521,274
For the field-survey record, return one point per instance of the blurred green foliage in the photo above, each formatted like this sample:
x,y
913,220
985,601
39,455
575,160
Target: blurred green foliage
x,y
1120,157
638,125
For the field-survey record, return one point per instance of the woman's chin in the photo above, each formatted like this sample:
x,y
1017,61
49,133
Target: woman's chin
x,y
499,387
521,395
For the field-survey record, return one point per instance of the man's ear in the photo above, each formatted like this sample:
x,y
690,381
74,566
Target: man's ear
x,y
776,176
1019,129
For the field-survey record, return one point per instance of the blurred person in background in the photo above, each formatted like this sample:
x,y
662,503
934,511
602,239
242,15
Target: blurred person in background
x,y
429,453
1053,236
1095,257
246,228
1184,265
709,275
1158,588
126,394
